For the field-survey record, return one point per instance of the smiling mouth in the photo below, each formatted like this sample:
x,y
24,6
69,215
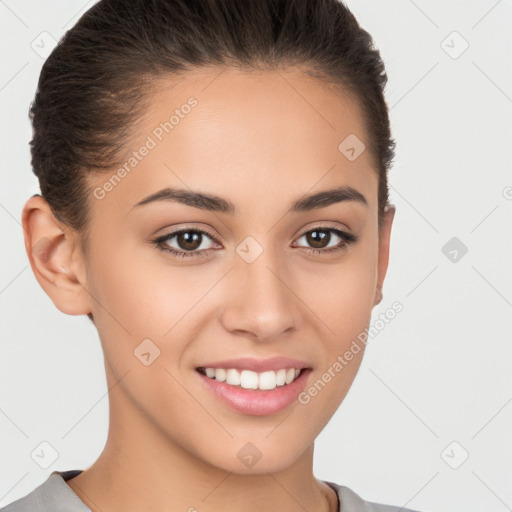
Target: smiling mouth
x,y
248,379
252,393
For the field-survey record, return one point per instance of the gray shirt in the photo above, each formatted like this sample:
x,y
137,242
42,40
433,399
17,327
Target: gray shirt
x,y
54,495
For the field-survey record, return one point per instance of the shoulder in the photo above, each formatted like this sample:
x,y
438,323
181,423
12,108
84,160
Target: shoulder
x,y
350,501
53,495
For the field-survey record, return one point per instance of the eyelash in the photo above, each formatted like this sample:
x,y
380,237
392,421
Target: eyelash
x,y
347,239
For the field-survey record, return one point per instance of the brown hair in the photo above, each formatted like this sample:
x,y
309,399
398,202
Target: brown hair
x,y
92,87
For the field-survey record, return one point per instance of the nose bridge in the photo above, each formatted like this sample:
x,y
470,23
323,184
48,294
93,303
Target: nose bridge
x,y
259,300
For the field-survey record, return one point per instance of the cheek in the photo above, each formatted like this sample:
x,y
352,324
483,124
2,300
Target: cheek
x,y
140,314
136,289
342,298
343,309
342,294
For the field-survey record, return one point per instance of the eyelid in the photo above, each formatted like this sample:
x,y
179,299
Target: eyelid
x,y
347,239
324,225
318,225
186,227
345,234
181,229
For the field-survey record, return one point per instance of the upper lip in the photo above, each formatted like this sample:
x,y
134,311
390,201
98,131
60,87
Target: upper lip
x,y
257,365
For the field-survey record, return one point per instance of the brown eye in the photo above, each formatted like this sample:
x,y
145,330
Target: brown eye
x,y
189,243
319,239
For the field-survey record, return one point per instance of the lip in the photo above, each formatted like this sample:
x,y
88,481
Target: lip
x,y
256,402
257,365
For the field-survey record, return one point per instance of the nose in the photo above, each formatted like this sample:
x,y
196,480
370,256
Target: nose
x,y
259,299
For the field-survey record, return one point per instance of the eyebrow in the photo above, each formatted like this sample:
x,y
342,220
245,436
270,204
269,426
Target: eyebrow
x,y
215,203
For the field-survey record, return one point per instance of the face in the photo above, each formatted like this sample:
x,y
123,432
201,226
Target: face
x,y
177,284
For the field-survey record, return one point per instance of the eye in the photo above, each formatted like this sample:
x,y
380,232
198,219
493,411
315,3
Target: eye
x,y
190,241
320,237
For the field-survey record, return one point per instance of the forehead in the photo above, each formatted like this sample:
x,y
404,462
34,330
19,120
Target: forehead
x,y
244,135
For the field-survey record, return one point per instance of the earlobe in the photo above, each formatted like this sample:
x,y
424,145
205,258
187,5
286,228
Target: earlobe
x,y
50,247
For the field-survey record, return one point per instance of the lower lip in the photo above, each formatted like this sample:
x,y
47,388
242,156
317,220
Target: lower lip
x,y
257,402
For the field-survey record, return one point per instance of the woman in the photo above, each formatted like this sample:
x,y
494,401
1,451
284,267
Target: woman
x,y
214,197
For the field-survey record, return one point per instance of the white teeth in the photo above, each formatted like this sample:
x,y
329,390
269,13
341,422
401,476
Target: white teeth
x,y
248,379
233,377
281,377
220,374
267,380
290,375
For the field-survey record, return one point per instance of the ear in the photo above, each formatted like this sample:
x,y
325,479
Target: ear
x,y
55,257
384,242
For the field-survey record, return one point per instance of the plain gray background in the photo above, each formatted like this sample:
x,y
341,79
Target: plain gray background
x,y
434,387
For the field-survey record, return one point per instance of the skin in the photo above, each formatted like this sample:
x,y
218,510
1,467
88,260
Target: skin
x,y
261,140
